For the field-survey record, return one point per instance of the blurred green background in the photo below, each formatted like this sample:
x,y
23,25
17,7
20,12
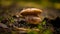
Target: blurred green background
x,y
31,3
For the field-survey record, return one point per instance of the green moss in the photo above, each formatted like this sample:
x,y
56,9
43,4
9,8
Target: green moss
x,y
32,32
48,31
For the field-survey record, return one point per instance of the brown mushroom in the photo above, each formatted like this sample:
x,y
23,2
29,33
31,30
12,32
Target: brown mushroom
x,y
31,15
30,11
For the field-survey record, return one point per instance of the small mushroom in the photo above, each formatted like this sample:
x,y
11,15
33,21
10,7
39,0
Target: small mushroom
x,y
31,15
30,11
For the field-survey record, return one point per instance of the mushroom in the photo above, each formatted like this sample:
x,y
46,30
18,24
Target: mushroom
x,y
31,15
30,11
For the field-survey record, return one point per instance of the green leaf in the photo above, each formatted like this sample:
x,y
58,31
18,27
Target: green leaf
x,y
44,22
32,32
48,31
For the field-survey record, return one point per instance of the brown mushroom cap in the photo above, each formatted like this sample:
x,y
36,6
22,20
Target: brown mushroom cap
x,y
30,11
